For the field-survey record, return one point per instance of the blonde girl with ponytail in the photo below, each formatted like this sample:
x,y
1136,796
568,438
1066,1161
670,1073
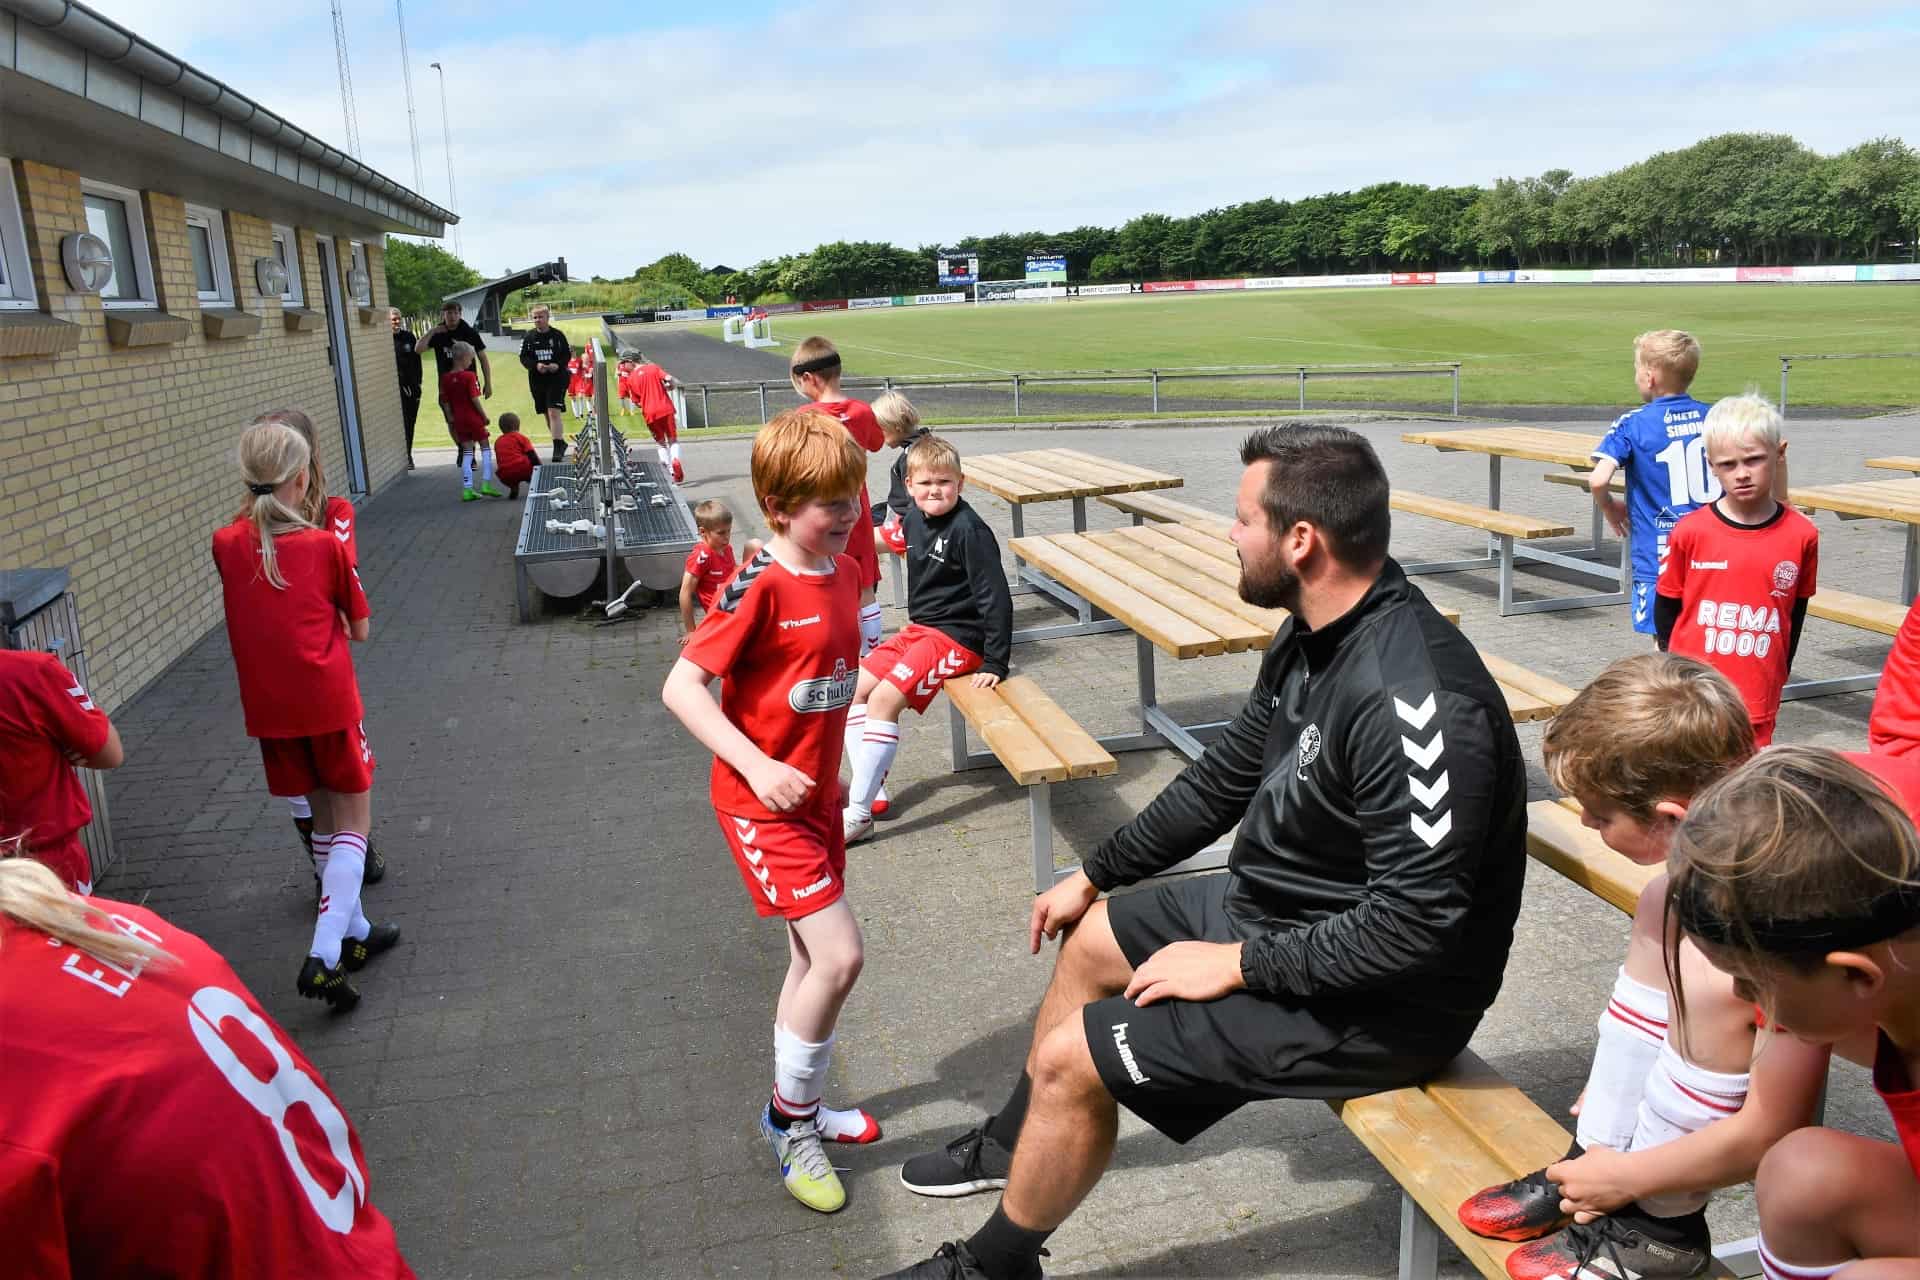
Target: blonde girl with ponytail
x,y
293,605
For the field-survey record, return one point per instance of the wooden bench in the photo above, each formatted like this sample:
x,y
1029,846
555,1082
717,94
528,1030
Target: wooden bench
x,y
1529,696
1901,463
1163,510
1583,480
1504,528
1028,734
1866,612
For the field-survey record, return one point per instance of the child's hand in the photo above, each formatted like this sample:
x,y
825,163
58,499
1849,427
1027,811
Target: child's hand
x,y
780,787
985,680
1594,1184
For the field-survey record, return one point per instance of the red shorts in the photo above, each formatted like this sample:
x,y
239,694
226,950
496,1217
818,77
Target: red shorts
x,y
664,430
861,547
916,660
520,474
67,858
340,761
793,866
579,387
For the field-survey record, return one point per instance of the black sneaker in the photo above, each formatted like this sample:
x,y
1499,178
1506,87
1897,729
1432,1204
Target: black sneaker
x,y
1524,1209
954,1261
1621,1245
355,952
317,982
559,450
972,1162
376,868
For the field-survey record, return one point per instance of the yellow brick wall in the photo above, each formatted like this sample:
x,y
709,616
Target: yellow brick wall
x,y
117,463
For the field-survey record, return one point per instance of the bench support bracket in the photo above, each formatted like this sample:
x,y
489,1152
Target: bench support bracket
x,y
1419,1242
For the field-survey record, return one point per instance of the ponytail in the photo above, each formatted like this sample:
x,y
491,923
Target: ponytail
x,y
32,896
271,454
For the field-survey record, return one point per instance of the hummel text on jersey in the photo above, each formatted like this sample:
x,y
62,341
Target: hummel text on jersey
x,y
1737,629
825,693
1125,1051
1706,564
788,624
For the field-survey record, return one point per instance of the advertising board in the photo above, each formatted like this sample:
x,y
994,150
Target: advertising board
x,y
863,304
1047,268
830,304
1413,277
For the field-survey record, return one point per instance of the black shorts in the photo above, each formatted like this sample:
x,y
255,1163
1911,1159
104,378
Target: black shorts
x,y
1182,1067
549,391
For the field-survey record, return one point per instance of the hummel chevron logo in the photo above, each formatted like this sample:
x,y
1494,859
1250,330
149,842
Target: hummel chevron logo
x,y
941,671
1424,756
1415,716
1428,796
86,703
1433,833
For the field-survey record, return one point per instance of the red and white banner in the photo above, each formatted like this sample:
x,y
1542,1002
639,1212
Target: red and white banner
x,y
1413,277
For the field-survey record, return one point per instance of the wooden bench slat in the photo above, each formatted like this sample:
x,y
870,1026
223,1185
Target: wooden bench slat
x,y
999,484
1061,733
1508,523
1238,633
1019,748
1155,507
1159,539
1556,837
1198,572
1503,1120
1583,480
1179,636
1145,477
1854,610
1901,463
1523,706
1042,479
1201,539
1549,691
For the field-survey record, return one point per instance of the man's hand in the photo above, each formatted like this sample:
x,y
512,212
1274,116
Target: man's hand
x,y
486,392
1059,907
780,787
1197,971
1593,1185
985,679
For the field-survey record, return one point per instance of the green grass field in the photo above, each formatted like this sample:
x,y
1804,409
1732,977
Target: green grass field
x,y
1518,345
510,392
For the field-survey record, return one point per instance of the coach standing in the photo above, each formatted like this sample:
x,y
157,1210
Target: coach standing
x,y
1363,924
406,357
441,338
545,353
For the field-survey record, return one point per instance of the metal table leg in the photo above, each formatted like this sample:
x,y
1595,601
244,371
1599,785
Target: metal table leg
x,y
1910,569
1493,498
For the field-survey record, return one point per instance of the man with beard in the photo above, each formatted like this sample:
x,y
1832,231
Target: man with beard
x,y
1363,923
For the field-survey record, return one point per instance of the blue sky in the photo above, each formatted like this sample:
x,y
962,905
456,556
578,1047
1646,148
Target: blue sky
x,y
740,131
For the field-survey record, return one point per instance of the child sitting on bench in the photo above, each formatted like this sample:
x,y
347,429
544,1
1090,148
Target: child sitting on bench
x,y
959,619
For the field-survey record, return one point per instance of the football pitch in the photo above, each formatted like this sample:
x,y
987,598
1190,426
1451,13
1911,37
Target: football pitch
x,y
1517,345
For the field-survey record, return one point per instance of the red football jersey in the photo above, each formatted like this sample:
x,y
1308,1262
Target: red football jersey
x,y
467,421
514,457
1901,778
44,713
573,367
289,649
1894,1084
1894,727
650,389
710,570
786,647
1737,585
857,417
156,1122
338,521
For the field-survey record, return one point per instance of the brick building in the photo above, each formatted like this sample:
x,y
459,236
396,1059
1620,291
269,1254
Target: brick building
x,y
119,409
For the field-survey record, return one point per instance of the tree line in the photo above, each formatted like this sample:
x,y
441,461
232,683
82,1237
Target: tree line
x,y
1739,199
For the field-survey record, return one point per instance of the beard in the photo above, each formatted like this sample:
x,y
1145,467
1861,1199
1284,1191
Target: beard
x,y
1271,586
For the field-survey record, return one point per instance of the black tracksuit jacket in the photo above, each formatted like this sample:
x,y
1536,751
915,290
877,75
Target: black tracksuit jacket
x,y
955,582
1381,801
545,348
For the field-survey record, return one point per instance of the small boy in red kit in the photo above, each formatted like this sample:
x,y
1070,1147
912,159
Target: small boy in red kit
x,y
710,565
48,725
815,372
514,454
1739,572
287,587
784,641
467,419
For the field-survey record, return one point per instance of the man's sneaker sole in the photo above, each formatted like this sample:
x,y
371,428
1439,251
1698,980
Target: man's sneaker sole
x,y
954,1190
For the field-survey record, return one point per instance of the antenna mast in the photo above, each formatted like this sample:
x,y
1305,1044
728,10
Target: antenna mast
x,y
406,79
346,81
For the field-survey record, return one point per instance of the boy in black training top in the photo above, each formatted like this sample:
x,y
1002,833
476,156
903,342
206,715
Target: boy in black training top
x,y
960,619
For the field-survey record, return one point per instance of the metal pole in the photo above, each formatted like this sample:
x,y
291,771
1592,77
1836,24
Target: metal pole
x,y
1303,388
1016,395
1154,375
1456,407
446,141
1785,364
406,80
706,411
763,402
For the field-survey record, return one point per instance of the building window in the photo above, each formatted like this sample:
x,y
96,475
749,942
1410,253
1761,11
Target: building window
x,y
16,266
207,245
286,247
361,278
113,214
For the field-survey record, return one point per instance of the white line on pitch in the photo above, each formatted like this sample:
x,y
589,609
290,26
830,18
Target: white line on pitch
x,y
915,355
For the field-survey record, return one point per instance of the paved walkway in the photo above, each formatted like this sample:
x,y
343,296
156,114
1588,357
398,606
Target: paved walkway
x,y
557,1072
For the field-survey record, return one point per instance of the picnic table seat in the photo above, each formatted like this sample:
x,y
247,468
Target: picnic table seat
x,y
1500,522
1854,610
1584,480
1035,741
1164,510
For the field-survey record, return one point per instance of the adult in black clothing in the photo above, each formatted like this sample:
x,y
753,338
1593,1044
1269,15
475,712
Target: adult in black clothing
x,y
545,353
1364,921
406,356
441,338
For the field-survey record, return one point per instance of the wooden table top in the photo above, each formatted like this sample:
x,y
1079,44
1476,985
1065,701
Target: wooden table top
x,y
1536,444
1053,475
1879,499
1902,463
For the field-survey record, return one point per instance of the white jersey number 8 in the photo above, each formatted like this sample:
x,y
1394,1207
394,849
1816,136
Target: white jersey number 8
x,y
272,1099
1690,480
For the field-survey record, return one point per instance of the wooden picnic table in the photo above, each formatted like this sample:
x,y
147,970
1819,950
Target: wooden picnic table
x,y
1534,444
1897,500
1058,475
1899,463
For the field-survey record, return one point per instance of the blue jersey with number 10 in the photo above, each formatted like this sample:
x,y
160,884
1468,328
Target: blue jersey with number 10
x,y
1659,447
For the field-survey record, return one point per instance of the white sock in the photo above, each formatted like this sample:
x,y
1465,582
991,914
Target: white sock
x,y
1773,1269
870,627
339,895
674,450
298,807
666,459
466,468
1680,1099
322,846
1632,1029
878,746
799,1072
856,733
486,465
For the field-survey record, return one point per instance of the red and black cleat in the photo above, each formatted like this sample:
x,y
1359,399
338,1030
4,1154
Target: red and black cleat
x,y
1524,1209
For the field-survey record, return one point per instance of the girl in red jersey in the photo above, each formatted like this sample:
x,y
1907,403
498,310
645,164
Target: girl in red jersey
x,y
335,514
1800,876
288,587
49,724
467,419
141,1136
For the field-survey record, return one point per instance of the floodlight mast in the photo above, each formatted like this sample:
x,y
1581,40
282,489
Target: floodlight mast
x,y
406,81
346,81
446,141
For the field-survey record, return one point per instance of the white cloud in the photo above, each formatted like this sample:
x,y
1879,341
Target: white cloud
x,y
854,120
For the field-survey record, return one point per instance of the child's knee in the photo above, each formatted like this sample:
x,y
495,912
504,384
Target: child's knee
x,y
1804,1178
884,702
839,968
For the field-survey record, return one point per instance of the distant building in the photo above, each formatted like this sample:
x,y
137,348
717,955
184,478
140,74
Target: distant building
x,y
244,271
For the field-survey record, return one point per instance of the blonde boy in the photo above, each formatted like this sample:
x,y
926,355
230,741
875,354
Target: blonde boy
x,y
900,427
710,564
784,641
815,372
1739,572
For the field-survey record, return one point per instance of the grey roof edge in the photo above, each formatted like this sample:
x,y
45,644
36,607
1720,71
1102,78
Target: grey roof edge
x,y
101,37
